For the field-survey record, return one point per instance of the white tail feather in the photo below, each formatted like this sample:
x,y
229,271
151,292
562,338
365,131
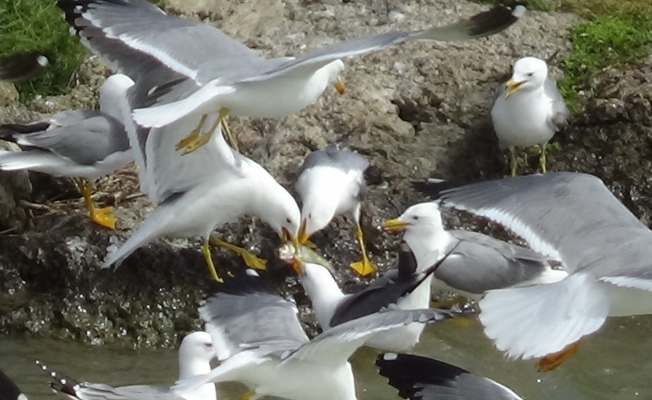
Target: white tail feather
x,y
535,321
14,161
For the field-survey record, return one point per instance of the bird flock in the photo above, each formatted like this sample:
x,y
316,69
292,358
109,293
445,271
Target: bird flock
x,y
175,83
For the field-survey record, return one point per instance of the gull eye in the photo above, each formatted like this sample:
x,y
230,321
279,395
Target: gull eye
x,y
288,220
416,218
529,74
208,345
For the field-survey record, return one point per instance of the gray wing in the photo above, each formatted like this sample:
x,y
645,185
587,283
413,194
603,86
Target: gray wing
x,y
560,113
337,344
95,391
8,389
20,66
86,137
245,314
569,216
480,263
421,378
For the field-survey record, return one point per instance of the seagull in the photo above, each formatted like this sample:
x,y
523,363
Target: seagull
x,y
476,263
403,287
261,344
9,390
574,218
528,109
201,193
330,183
195,353
18,67
206,71
422,378
83,144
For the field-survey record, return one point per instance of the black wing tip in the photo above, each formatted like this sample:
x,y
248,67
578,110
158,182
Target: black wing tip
x,y
496,19
60,383
407,261
20,66
8,389
240,283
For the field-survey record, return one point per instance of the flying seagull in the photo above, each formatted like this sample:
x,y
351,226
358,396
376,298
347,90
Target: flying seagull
x,y
421,378
82,144
528,110
261,344
330,183
195,353
476,263
184,67
21,66
575,219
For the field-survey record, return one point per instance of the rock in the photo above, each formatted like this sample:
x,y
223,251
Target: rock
x,y
415,110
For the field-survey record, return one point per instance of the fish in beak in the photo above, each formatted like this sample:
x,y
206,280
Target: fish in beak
x,y
512,86
296,264
287,237
339,85
393,225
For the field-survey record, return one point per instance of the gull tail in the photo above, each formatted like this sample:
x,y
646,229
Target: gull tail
x,y
534,321
61,383
418,377
152,228
35,160
8,389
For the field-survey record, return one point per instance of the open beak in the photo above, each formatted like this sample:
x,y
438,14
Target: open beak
x,y
303,237
296,263
512,86
340,86
393,225
287,237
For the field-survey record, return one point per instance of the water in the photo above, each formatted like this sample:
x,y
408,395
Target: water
x,y
613,364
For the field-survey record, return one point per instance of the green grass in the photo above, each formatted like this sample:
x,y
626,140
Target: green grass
x,y
38,25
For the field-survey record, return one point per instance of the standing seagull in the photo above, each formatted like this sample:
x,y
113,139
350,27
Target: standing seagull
x,y
404,287
421,378
18,67
528,110
85,145
575,219
330,183
471,263
195,69
195,354
261,344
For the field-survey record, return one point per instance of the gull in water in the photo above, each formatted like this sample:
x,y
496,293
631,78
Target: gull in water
x,y
190,68
9,390
470,263
261,344
575,219
330,183
528,110
403,287
18,67
82,144
195,354
199,194
422,378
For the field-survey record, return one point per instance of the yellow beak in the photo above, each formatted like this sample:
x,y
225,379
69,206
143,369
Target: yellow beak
x,y
287,237
393,225
512,86
340,86
296,263
303,237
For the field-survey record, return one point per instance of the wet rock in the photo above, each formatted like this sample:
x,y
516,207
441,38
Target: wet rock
x,y
416,110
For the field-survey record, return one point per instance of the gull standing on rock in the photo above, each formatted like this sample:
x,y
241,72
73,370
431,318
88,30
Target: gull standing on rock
x,y
84,145
191,68
470,263
195,354
575,219
528,110
330,183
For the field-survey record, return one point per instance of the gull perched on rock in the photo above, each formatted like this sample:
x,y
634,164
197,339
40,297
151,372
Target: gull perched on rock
x,y
82,144
403,287
190,68
195,354
421,378
18,67
528,110
575,219
261,344
470,263
330,183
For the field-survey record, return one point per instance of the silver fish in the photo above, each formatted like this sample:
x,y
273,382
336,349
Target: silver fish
x,y
288,252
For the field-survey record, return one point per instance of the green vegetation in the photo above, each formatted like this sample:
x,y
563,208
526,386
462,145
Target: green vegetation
x,y
38,25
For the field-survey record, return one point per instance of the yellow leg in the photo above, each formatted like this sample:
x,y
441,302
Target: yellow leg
x,y
196,143
542,158
553,361
101,216
247,395
206,252
251,260
512,161
193,135
363,267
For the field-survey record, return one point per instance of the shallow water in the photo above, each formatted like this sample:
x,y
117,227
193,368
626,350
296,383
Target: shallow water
x,y
613,364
